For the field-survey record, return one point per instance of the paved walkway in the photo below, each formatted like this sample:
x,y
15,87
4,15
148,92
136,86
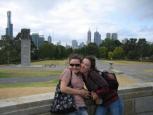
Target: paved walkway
x,y
140,71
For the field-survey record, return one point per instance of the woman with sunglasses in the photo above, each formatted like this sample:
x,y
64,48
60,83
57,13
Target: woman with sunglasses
x,y
72,73
107,99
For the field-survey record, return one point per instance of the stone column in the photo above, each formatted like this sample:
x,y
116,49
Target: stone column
x,y
25,47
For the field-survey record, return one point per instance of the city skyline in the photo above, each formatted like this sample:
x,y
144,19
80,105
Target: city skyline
x,y
68,20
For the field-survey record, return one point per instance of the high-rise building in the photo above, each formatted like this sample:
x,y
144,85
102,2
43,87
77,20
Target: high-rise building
x,y
49,39
59,42
9,29
74,44
41,40
81,45
124,40
114,36
97,38
88,37
37,39
108,35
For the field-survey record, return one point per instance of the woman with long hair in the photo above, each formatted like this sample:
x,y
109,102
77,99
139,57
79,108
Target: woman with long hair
x,y
106,98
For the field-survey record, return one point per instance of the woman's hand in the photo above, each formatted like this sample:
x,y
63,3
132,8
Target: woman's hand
x,y
84,93
94,95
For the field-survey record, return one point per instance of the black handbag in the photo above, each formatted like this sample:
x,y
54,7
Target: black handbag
x,y
62,102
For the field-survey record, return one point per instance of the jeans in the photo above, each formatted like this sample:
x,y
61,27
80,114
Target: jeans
x,y
80,111
115,108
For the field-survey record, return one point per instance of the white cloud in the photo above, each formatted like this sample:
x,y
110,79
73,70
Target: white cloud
x,y
71,19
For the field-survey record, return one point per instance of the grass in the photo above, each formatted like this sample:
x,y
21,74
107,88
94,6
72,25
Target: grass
x,y
149,70
123,62
123,81
55,62
51,83
9,73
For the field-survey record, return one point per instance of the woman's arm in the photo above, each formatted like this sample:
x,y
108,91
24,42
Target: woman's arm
x,y
64,88
65,79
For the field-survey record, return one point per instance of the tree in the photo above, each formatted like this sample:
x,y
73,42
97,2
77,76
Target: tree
x,y
142,48
110,44
69,51
10,50
92,49
47,51
110,55
130,48
118,53
103,52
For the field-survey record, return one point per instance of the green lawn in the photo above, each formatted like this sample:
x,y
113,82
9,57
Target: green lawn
x,y
123,62
8,73
33,84
32,72
49,62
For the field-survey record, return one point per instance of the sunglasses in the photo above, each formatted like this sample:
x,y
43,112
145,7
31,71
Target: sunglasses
x,y
76,65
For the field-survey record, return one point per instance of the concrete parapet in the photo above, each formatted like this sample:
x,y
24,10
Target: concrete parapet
x,y
138,100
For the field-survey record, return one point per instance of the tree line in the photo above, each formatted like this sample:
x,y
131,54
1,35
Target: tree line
x,y
132,49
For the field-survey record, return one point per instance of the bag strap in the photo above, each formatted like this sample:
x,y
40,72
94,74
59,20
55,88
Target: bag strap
x,y
69,84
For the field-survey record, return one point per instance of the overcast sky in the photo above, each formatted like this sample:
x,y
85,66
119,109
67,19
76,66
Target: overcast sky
x,y
65,20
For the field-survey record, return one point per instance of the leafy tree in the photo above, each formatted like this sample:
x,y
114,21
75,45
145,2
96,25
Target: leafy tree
x,y
103,52
132,55
68,51
10,50
142,47
92,49
118,53
110,55
110,44
130,48
46,51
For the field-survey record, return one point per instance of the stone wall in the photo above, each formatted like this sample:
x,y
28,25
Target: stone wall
x,y
138,100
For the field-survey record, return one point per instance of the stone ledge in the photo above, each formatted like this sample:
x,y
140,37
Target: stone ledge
x,y
25,99
135,96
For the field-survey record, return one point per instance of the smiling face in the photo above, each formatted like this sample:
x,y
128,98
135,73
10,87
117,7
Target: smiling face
x,y
85,66
74,65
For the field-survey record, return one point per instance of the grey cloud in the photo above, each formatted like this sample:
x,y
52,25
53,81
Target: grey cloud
x,y
143,9
126,33
146,29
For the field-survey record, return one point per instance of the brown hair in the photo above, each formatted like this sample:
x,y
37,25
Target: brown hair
x,y
92,61
75,56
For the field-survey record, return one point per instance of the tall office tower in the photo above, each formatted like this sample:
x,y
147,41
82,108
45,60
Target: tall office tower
x,y
59,42
41,40
74,44
97,38
49,39
114,36
88,37
37,40
108,35
124,40
81,45
9,29
35,37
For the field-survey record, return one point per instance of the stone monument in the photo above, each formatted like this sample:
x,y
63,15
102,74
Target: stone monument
x,y
25,47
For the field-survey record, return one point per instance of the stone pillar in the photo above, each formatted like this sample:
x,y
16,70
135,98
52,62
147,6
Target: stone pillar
x,y
25,47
